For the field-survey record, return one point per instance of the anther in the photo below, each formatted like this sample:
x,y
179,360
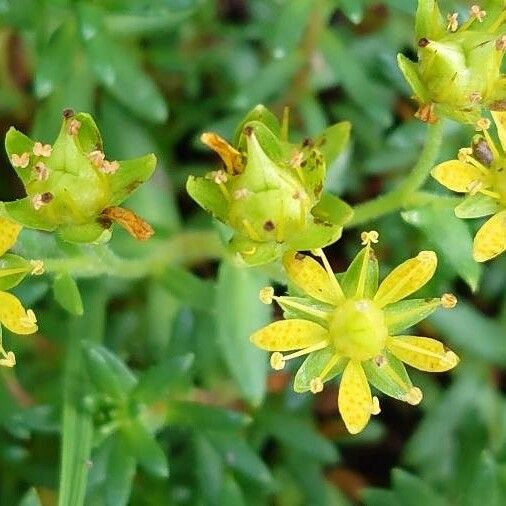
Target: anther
x,y
296,159
448,301
380,361
476,12
369,237
413,397
375,406
41,199
500,43
464,153
74,127
109,167
453,23
40,149
219,176
426,113
97,158
475,97
37,267
20,161
474,187
482,124
277,361
241,193
266,294
41,171
316,385
9,359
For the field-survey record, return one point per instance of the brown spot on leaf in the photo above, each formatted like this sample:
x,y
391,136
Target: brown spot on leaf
x,y
269,226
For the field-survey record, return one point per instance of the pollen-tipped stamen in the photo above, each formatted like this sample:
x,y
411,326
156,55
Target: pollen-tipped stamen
x,y
278,360
287,301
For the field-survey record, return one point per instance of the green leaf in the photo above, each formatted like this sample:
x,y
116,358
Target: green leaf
x,y
379,497
119,474
158,379
239,456
406,313
333,210
353,10
451,237
13,269
484,488
231,493
239,313
118,70
412,491
208,467
67,294
201,416
109,374
143,446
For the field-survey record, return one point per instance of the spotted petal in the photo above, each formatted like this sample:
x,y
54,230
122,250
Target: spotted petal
x,y
354,400
457,175
287,335
13,315
308,275
407,278
9,232
490,240
422,353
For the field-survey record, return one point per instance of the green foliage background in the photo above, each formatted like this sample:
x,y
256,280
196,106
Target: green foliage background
x,y
157,379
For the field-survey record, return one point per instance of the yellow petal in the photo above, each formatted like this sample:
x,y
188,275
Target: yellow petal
x,y
422,353
14,317
9,232
308,275
457,175
500,123
354,400
407,278
286,335
490,240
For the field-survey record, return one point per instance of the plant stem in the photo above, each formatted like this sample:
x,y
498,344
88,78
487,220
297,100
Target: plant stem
x,y
182,249
77,432
406,193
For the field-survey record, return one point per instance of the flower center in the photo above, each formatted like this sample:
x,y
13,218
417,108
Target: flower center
x,y
358,329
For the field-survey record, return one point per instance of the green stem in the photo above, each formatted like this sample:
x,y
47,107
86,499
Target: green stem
x,y
406,193
77,436
185,248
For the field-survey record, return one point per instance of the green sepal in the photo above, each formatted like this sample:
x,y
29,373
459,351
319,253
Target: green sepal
x,y
477,206
291,312
261,114
409,70
350,280
23,212
17,143
13,269
130,175
252,252
316,234
208,195
333,140
314,365
429,22
332,209
87,233
391,378
406,313
88,137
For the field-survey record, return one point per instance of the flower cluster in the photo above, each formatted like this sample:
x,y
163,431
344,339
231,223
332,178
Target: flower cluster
x,y
459,65
71,187
347,324
480,173
13,269
270,192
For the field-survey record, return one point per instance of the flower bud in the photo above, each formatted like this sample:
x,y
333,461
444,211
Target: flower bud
x,y
459,65
70,185
271,191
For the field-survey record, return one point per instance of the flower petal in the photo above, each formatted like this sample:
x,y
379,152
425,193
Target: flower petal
x,y
422,353
354,400
500,122
456,175
286,335
308,275
9,232
407,278
14,316
490,240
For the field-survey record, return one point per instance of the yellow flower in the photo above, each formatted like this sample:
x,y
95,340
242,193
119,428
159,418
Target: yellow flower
x,y
480,173
13,315
351,326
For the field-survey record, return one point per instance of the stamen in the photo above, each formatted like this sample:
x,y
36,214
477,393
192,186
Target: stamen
x,y
426,113
333,280
278,360
474,187
288,301
475,97
369,237
97,158
241,193
375,406
413,397
41,199
490,193
500,43
453,23
266,294
9,359
220,177
37,267
20,161
464,154
316,385
448,356
109,167
482,124
40,149
476,13
478,165
328,367
448,301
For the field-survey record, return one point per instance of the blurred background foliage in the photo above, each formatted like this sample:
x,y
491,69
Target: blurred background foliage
x,y
156,391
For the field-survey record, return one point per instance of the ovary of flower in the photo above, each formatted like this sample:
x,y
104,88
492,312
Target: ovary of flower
x,y
453,23
37,267
20,161
40,149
